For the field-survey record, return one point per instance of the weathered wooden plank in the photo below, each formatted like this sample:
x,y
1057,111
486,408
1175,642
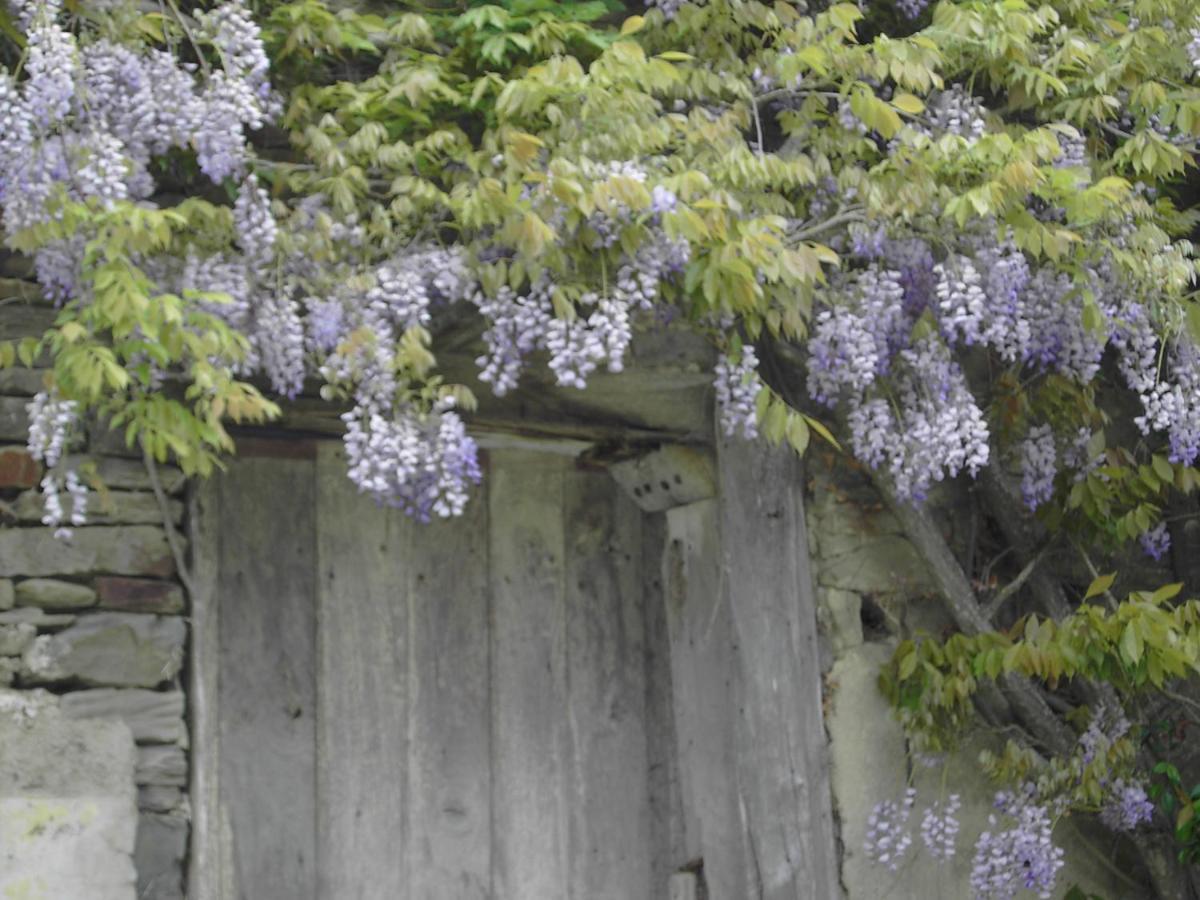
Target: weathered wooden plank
x,y
266,689
449,780
608,778
362,724
702,674
781,767
530,737
667,839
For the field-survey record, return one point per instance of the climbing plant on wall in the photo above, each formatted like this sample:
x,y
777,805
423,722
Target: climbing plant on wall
x,y
955,235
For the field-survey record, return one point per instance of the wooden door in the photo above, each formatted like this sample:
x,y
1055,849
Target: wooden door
x,y
453,710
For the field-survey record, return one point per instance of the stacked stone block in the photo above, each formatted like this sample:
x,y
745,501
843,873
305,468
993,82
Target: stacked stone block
x,y
95,621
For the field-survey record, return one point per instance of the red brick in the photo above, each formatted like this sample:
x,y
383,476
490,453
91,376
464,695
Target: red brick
x,y
139,594
18,469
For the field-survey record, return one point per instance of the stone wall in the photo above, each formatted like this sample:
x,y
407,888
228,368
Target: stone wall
x,y
872,588
93,627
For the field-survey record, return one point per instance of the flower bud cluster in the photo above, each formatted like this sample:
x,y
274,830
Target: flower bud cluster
x,y
1039,465
423,465
1021,856
888,839
738,386
51,423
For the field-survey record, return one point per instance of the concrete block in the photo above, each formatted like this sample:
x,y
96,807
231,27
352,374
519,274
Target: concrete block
x,y
68,815
668,477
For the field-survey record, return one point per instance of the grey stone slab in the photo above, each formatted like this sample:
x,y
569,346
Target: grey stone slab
x,y
14,420
139,594
884,564
7,594
107,508
109,549
38,618
154,717
159,798
131,475
14,639
22,382
111,649
164,765
50,593
159,854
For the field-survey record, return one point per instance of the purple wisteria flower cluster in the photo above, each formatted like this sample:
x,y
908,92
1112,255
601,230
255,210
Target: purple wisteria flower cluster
x,y
882,348
419,460
922,423
888,838
598,333
1016,851
1021,856
52,420
940,827
82,122
421,464
737,386
1106,727
88,118
1039,465
1126,807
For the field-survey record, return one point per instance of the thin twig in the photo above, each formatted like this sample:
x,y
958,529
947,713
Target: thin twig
x,y
164,508
758,128
1012,587
1180,698
1108,595
842,217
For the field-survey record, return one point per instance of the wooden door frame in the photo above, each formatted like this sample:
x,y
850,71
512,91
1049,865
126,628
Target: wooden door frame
x,y
764,590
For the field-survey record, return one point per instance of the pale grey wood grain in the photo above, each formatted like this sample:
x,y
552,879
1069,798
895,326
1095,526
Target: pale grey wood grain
x,y
266,690
530,734
609,791
207,868
702,674
667,845
449,773
362,730
781,766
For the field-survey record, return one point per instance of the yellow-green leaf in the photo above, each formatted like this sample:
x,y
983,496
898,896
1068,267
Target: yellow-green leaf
x,y
1101,584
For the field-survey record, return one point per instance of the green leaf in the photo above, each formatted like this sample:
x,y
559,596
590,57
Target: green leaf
x,y
632,25
1131,645
797,433
819,427
1163,468
1101,584
908,103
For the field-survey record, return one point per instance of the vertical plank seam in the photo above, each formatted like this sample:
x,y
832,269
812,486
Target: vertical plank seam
x,y
315,475
489,576
568,761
